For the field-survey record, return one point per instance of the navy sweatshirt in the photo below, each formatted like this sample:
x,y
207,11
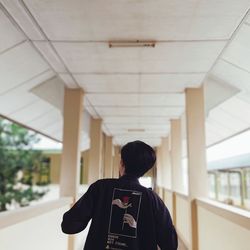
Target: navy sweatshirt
x,y
125,216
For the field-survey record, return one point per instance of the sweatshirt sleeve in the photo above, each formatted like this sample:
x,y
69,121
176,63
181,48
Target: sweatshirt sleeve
x,y
166,234
77,218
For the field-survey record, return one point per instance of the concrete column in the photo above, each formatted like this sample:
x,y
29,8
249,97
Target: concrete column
x,y
85,156
196,143
70,166
108,157
116,161
196,152
158,172
96,151
166,171
159,167
176,156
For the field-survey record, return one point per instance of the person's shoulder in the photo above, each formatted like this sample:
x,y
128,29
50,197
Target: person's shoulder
x,y
104,181
101,184
154,196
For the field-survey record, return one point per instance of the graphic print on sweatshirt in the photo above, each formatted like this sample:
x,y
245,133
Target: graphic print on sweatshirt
x,y
124,214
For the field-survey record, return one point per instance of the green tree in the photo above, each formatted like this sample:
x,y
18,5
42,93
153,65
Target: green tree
x,y
18,164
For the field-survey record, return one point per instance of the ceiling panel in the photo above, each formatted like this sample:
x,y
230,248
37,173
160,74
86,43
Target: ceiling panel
x,y
148,132
45,119
146,100
12,102
137,125
47,51
108,83
217,128
247,20
170,82
51,92
134,83
227,120
26,86
113,99
15,8
69,81
139,120
35,81
162,100
92,111
19,65
211,138
231,74
10,36
31,112
59,136
122,140
54,127
97,20
237,108
216,91
245,96
165,57
148,111
238,52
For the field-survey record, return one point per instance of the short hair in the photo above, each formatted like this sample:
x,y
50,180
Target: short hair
x,y
138,157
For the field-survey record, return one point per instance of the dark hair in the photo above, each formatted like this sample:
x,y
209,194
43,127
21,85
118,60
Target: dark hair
x,y
138,157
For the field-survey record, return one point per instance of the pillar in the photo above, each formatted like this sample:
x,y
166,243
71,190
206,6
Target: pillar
x,y
85,157
159,168
166,171
176,156
196,143
196,152
116,161
70,165
108,157
96,151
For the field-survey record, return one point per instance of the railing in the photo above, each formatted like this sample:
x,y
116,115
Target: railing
x,y
217,226
222,226
35,227
182,214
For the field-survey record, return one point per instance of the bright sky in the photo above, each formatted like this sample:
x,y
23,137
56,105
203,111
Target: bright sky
x,y
237,145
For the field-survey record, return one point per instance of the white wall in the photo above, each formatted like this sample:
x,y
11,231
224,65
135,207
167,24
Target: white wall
x,y
168,199
218,233
183,219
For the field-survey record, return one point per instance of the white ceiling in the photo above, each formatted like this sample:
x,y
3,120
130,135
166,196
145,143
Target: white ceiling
x,y
136,91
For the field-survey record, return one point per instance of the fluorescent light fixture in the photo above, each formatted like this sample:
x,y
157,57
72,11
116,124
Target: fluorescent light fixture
x,y
128,44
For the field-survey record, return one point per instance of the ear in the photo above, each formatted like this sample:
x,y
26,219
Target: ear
x,y
122,164
121,168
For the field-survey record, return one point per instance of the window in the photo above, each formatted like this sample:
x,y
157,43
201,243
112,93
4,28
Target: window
x,y
212,185
235,185
247,183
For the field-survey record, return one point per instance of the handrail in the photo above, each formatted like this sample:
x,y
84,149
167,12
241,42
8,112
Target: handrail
x,y
9,218
236,215
181,195
169,190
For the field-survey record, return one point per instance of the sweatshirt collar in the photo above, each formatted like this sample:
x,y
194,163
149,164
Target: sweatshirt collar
x,y
129,178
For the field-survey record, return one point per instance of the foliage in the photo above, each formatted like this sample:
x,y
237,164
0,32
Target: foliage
x,y
18,164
